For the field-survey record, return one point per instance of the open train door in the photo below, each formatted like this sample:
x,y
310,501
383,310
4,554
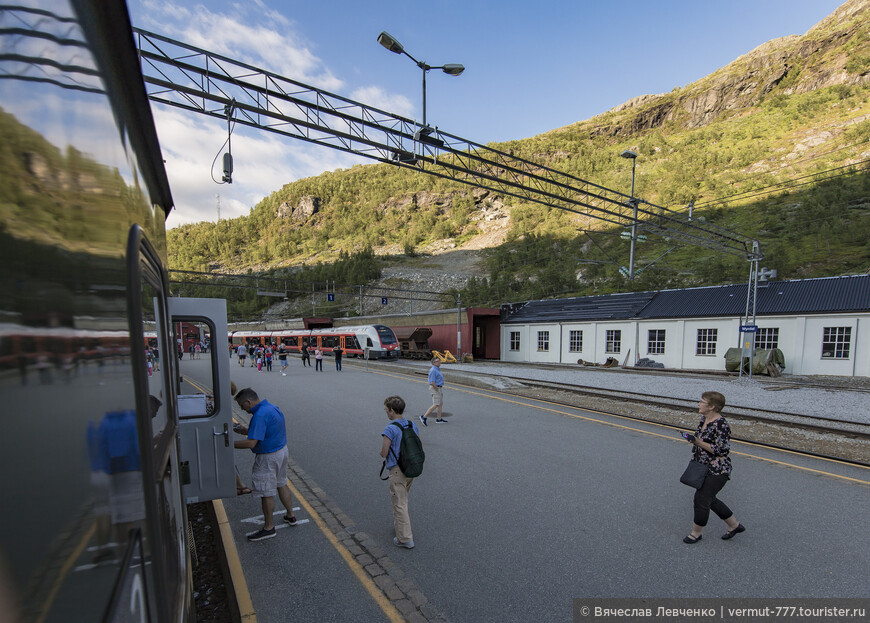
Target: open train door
x,y
205,406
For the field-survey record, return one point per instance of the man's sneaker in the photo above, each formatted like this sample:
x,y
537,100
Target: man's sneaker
x,y
290,519
406,544
283,374
441,421
423,419
261,535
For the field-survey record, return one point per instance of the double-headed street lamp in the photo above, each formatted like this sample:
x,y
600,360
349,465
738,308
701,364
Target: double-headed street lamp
x,y
633,202
452,69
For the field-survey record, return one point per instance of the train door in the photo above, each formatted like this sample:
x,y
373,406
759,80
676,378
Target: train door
x,y
204,405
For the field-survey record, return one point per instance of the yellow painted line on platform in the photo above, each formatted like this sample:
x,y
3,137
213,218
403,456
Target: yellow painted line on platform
x,y
526,401
247,614
383,602
64,571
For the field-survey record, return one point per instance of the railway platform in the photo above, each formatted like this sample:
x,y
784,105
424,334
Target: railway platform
x,y
551,514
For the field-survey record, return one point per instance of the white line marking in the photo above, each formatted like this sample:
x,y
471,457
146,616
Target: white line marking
x,y
259,518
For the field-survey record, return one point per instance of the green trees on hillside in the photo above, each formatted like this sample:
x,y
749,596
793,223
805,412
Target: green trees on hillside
x,y
737,167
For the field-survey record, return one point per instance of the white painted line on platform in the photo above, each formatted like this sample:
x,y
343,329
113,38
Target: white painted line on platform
x,y
278,524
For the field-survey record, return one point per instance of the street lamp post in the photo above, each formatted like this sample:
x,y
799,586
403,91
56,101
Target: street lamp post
x,y
451,69
633,202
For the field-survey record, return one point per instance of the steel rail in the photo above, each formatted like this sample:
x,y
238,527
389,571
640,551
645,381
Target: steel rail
x,y
766,415
805,426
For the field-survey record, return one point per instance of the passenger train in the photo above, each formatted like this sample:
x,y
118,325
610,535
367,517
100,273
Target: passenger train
x,y
373,341
105,462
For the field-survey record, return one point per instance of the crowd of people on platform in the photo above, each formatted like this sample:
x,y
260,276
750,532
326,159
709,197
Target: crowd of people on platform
x,y
261,356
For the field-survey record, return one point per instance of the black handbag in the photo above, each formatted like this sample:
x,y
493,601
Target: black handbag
x,y
694,475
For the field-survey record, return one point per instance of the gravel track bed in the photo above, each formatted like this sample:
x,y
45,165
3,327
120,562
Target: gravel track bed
x,y
838,402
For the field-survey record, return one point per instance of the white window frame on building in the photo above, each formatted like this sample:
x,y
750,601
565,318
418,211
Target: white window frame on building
x,y
836,342
515,341
767,338
575,341
706,343
655,344
613,343
543,341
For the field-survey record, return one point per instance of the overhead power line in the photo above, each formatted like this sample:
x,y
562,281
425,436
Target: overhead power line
x,y
783,185
187,77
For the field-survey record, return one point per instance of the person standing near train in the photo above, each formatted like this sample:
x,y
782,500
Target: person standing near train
x,y
282,358
306,358
267,439
318,359
337,352
243,354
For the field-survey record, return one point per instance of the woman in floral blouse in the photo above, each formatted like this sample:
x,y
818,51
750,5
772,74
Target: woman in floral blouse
x,y
712,443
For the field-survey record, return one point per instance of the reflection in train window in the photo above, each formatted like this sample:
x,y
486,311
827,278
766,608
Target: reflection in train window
x,y
197,366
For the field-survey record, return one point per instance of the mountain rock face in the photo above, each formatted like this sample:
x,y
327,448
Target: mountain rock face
x,y
797,63
308,206
784,111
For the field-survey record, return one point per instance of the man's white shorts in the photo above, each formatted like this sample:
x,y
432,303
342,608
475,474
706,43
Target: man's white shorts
x,y
269,473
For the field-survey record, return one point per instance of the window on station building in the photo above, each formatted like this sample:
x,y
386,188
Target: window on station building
x,y
767,338
543,341
655,344
515,340
836,342
575,341
613,343
706,341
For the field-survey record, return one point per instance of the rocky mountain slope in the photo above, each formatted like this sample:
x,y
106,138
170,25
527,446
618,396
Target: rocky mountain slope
x,y
790,109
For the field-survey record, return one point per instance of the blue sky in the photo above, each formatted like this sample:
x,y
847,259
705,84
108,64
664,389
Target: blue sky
x,y
530,67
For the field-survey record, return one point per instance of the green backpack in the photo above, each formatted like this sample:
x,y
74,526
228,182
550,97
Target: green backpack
x,y
411,455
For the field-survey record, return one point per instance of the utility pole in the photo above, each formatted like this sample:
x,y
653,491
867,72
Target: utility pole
x,y
459,327
218,197
633,202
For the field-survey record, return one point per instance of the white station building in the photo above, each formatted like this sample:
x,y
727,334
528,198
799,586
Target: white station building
x,y
822,326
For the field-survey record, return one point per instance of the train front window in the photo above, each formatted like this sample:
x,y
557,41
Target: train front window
x,y
386,335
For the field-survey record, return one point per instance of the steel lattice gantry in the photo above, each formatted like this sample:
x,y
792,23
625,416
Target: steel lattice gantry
x,y
187,77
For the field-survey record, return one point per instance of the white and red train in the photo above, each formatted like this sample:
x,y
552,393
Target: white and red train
x,y
378,340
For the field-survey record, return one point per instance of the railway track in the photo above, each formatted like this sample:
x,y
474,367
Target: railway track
x,y
830,438
764,415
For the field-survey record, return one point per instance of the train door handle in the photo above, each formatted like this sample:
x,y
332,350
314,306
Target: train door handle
x,y
225,434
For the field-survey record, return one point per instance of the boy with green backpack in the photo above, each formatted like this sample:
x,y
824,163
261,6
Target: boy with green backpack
x,y
403,457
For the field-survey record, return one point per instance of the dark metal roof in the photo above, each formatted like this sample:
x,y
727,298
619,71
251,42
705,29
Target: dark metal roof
x,y
606,307
802,296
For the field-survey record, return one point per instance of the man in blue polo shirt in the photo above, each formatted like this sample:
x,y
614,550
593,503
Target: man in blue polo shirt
x,y
267,439
436,383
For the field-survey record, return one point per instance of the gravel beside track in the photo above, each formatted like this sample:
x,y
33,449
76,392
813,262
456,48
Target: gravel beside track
x,y
844,400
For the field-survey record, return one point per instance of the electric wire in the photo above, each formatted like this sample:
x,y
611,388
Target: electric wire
x,y
740,195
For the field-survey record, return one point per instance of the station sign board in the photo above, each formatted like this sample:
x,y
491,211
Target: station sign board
x,y
748,328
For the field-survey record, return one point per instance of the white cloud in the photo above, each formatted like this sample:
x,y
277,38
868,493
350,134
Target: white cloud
x,y
263,163
248,35
251,32
377,97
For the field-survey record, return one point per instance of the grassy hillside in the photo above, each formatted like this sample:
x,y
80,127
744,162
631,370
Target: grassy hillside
x,y
775,145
